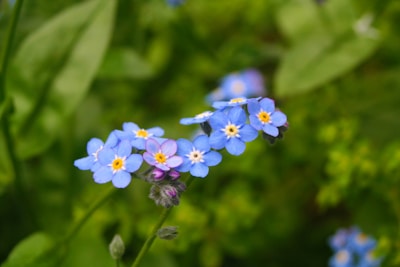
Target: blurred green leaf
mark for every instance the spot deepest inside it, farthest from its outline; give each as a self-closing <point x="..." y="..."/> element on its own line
<point x="327" y="41"/>
<point x="32" y="252"/>
<point x="53" y="69"/>
<point x="124" y="63"/>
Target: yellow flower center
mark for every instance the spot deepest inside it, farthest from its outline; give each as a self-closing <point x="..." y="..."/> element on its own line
<point x="238" y="87"/>
<point x="342" y="256"/>
<point x="237" y="100"/>
<point x="361" y="238"/>
<point x="160" y="157"/>
<point x="117" y="164"/>
<point x="264" y="117"/>
<point x="231" y="130"/>
<point x="142" y="133"/>
<point x="203" y="115"/>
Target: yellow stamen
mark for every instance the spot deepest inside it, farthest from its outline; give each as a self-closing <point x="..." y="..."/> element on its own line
<point x="160" y="157"/>
<point x="264" y="117"/>
<point x="231" y="130"/>
<point x="117" y="164"/>
<point x="142" y="133"/>
<point x="237" y="100"/>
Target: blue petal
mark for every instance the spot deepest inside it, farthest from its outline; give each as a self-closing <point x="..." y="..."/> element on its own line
<point x="248" y="133"/>
<point x="133" y="162"/>
<point x="235" y="146"/>
<point x="237" y="115"/>
<point x="217" y="140"/>
<point x="124" y="135"/>
<point x="187" y="121"/>
<point x="112" y="140"/>
<point x="93" y="145"/>
<point x="202" y="143"/>
<point x="103" y="175"/>
<point x="121" y="179"/>
<point x="255" y="122"/>
<point x="278" y="118"/>
<point x="106" y="156"/>
<point x="138" y="143"/>
<point x="220" y="104"/>
<point x="267" y="105"/>
<point x="130" y="127"/>
<point x="169" y="147"/>
<point x="212" y="158"/>
<point x="152" y="146"/>
<point x="184" y="146"/>
<point x="149" y="158"/>
<point x="185" y="167"/>
<point x="174" y="161"/>
<point x="156" y="131"/>
<point x="84" y="163"/>
<point x="162" y="166"/>
<point x="199" y="170"/>
<point x="271" y="130"/>
<point x="218" y="120"/>
<point x="253" y="106"/>
<point x="124" y="148"/>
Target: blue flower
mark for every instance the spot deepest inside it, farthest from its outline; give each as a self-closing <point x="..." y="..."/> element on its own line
<point x="370" y="260"/>
<point x="137" y="135"/>
<point x="339" y="240"/>
<point x="231" y="131"/>
<point x="263" y="116"/>
<point x="199" y="118"/>
<point x="234" y="102"/>
<point x="247" y="83"/>
<point x="342" y="258"/>
<point x="197" y="156"/>
<point x="117" y="165"/>
<point x="162" y="156"/>
<point x="175" y="3"/>
<point x="94" y="146"/>
<point x="360" y="242"/>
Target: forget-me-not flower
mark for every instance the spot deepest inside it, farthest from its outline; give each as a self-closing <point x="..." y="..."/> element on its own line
<point x="234" y="102"/>
<point x="342" y="258"/>
<point x="117" y="165"/>
<point x="231" y="131"/>
<point x="199" y="118"/>
<point x="197" y="156"/>
<point x="263" y="116"/>
<point x="93" y="147"/>
<point x="162" y="156"/>
<point x="360" y="242"/>
<point x="137" y="135"/>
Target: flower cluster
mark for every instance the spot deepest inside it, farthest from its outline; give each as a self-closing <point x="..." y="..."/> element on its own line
<point x="245" y="83"/>
<point x="230" y="126"/>
<point x="353" y="248"/>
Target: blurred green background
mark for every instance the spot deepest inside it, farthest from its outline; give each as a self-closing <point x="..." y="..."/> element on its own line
<point x="80" y="69"/>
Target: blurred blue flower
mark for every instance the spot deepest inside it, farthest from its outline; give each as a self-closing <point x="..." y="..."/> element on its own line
<point x="197" y="156"/>
<point x="247" y="83"/>
<point x="263" y="116"/>
<point x="339" y="240"/>
<point x="117" y="165"/>
<point x="162" y="156"/>
<point x="199" y="118"/>
<point x="93" y="147"/>
<point x="231" y="131"/>
<point x="360" y="242"/>
<point x="342" y="258"/>
<point x="175" y="3"/>
<point x="137" y="135"/>
<point x="370" y="260"/>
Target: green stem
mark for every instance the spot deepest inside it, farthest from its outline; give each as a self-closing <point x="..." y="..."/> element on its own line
<point x="88" y="214"/>
<point x="153" y="234"/>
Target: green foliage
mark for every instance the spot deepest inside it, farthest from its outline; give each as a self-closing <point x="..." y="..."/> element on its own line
<point x="79" y="69"/>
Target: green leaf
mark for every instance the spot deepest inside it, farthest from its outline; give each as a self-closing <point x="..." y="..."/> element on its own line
<point x="325" y="43"/>
<point x="124" y="63"/>
<point x="53" y="69"/>
<point x="34" y="251"/>
<point x="319" y="60"/>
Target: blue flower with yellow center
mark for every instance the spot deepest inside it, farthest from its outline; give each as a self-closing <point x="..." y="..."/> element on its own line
<point x="197" y="156"/>
<point x="94" y="146"/>
<point x="162" y="155"/>
<point x="231" y="131"/>
<point x="263" y="116"/>
<point x="137" y="135"/>
<point x="342" y="258"/>
<point x="117" y="165"/>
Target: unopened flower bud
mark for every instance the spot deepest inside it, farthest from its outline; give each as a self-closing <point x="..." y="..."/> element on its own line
<point x="168" y="232"/>
<point x="117" y="247"/>
<point x="158" y="174"/>
<point x="174" y="174"/>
